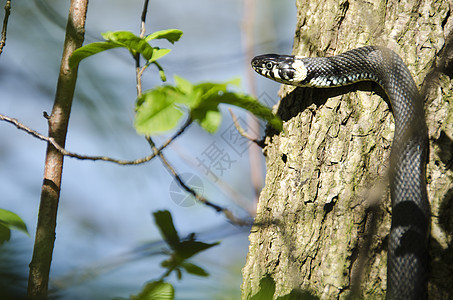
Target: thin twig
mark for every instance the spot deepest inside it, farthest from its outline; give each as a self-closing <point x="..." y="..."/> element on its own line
<point x="21" y="126"/>
<point x="144" y="12"/>
<point x="241" y="130"/>
<point x="65" y="152"/>
<point x="138" y="75"/>
<point x="5" y="25"/>
<point x="228" y="214"/>
<point x="139" y="70"/>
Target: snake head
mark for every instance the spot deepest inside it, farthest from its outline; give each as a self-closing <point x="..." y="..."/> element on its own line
<point x="282" y="68"/>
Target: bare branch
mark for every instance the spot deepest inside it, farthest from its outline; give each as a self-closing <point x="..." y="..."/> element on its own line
<point x="5" y="25"/>
<point x="21" y="126"/>
<point x="228" y="214"/>
<point x="241" y="130"/>
<point x="65" y="152"/>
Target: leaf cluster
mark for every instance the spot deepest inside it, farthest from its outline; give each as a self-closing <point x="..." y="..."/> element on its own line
<point x="135" y="44"/>
<point x="180" y="251"/>
<point x="160" y="109"/>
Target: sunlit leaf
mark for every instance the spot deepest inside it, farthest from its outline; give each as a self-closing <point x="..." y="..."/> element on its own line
<point x="203" y="113"/>
<point x="250" y="104"/>
<point x="211" y="89"/>
<point x="161" y="71"/>
<point x="156" y="290"/>
<point x="234" y="81"/>
<point x="158" y="53"/>
<point x="156" y="112"/>
<point x="88" y="50"/>
<point x="184" y="85"/>
<point x="209" y="120"/>
<point x="12" y="220"/>
<point x="130" y="41"/>
<point x="133" y="43"/>
<point x="171" y="35"/>
<point x="159" y="110"/>
<point x="202" y="100"/>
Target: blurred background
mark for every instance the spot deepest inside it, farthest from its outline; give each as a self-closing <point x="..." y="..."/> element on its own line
<point x="107" y="243"/>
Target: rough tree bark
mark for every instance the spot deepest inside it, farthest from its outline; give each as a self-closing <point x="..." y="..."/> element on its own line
<point x="326" y="188"/>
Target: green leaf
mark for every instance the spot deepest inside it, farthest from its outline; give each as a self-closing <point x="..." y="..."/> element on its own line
<point x="130" y="41"/>
<point x="88" y="50"/>
<point x="211" y="89"/>
<point x="158" y="53"/>
<point x="161" y="71"/>
<point x="156" y="290"/>
<point x="12" y="221"/>
<point x="166" y="227"/>
<point x="156" y="111"/>
<point x="178" y="273"/>
<point x="215" y="95"/>
<point x="5" y="234"/>
<point x="252" y="105"/>
<point x="194" y="269"/>
<point x="171" y="35"/>
<point x="159" y="110"/>
<point x="234" y="81"/>
<point x="184" y="85"/>
<point x="186" y="249"/>
<point x="168" y="263"/>
<point x="205" y="111"/>
<point x="209" y="120"/>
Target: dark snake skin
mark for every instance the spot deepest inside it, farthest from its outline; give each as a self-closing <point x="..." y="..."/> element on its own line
<point x="407" y="268"/>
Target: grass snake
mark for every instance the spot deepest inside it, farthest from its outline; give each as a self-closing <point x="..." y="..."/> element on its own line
<point x="407" y="261"/>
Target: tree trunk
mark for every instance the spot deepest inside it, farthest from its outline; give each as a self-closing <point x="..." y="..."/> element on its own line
<point x="324" y="215"/>
<point x="58" y="121"/>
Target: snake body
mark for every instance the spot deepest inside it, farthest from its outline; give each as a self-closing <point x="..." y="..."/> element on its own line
<point x="408" y="239"/>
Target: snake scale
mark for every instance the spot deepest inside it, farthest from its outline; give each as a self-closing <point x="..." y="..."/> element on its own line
<point x="407" y="263"/>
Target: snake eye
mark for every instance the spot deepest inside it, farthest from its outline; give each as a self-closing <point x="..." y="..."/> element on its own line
<point x="269" y="65"/>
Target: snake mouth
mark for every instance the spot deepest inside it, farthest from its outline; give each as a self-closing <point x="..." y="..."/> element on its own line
<point x="265" y="64"/>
